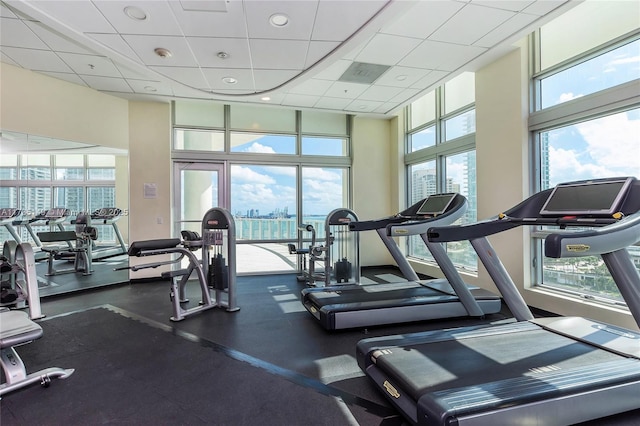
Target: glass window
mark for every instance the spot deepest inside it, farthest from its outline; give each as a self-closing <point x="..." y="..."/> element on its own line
<point x="612" y="21"/>
<point x="71" y="198"/>
<point x="263" y="201"/>
<point x="35" y="167"/>
<point x="8" y="173"/>
<point x="263" y="144"/>
<point x="101" y="160"/>
<point x="199" y="114"/>
<point x="323" y="190"/>
<point x="422" y="183"/>
<point x="315" y="145"/>
<point x="602" y="72"/>
<point x="459" y="92"/>
<point x="422" y="139"/>
<point x="422" y="111"/>
<point x="101" y="174"/>
<point x="252" y="118"/>
<point x="198" y="140"/>
<point x="324" y="123"/>
<point x="460" y="125"/>
<point x="35" y="199"/>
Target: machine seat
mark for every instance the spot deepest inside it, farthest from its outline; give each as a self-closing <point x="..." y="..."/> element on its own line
<point x="16" y="328"/>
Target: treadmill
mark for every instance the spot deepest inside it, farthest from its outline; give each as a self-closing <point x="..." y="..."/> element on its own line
<point x="534" y="371"/>
<point x="362" y="305"/>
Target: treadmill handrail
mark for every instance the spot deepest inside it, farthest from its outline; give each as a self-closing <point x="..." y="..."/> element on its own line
<point x="456" y="210"/>
<point x="616" y="236"/>
<point x="370" y="225"/>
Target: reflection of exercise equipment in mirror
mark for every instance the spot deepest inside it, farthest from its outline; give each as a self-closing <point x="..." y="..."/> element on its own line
<point x="339" y="255"/>
<point x="76" y="249"/>
<point x="213" y="273"/>
<point x="19" y="288"/>
<point x="101" y="220"/>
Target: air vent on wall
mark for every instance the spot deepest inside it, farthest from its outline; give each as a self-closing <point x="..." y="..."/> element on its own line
<point x="361" y="72"/>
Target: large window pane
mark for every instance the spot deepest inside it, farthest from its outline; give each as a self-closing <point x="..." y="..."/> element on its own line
<point x="252" y="118"/>
<point x="9" y="200"/>
<point x="597" y="148"/>
<point x="324" y="146"/>
<point x="201" y="114"/>
<point x="422" y="111"/>
<point x="602" y="72"/>
<point x="71" y="198"/>
<point x="459" y="92"/>
<point x="263" y="200"/>
<point x="98" y="198"/>
<point x="422" y="139"/>
<point x="423" y="182"/>
<point x="324" y="123"/>
<point x="198" y="140"/>
<point x="263" y="144"/>
<point x="460" y="125"/>
<point x="323" y="190"/>
<point x="610" y="19"/>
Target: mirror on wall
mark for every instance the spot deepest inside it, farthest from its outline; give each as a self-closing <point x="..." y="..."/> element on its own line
<point x="69" y="200"/>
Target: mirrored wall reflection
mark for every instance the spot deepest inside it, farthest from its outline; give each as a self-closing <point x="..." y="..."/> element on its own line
<point x="69" y="201"/>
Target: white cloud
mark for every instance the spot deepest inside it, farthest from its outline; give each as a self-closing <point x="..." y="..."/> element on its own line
<point x="565" y="97"/>
<point x="246" y="174"/>
<point x="321" y="174"/>
<point x="259" y="148"/>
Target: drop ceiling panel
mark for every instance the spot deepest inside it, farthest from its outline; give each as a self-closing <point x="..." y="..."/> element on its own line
<point x="268" y="79"/>
<point x="401" y="76"/>
<point x="440" y="56"/>
<point x="318" y="50"/>
<point x="338" y="20"/>
<point x="37" y="60"/>
<point x="379" y="93"/>
<point x="312" y="86"/>
<point x="429" y="80"/>
<point x="302" y="100"/>
<point x="159" y="20"/>
<point x="470" y="24"/>
<point x="340" y="89"/>
<point x="301" y="16"/>
<point x="16" y="33"/>
<point x="90" y="65"/>
<point x="56" y="42"/>
<point x="332" y="103"/>
<point x="71" y="78"/>
<point x="6" y="12"/>
<point x="206" y="50"/>
<point x="507" y="29"/>
<point x="212" y="24"/>
<point x="82" y="16"/>
<point x="333" y="71"/>
<point x="387" y="49"/>
<point x="512" y="5"/>
<point x="150" y="87"/>
<point x="190" y="76"/>
<point x="144" y="47"/>
<point x="115" y="43"/>
<point x="278" y="54"/>
<point x="7" y="60"/>
<point x="423" y="19"/>
<point x="214" y="78"/>
<point x="541" y="8"/>
<point x="363" y="106"/>
<point x="107" y="83"/>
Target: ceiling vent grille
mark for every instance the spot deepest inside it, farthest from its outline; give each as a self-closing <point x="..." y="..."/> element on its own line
<point x="363" y="73"/>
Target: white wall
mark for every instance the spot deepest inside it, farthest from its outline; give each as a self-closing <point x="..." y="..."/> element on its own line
<point x="150" y="165"/>
<point x="372" y="183"/>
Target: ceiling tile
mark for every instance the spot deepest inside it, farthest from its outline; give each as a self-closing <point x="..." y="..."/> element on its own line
<point x="338" y="20"/>
<point x="15" y="33"/>
<point x="159" y="18"/>
<point x="340" y="89"/>
<point x="212" y="24"/>
<point x="387" y="49"/>
<point x="441" y="56"/>
<point x="300" y="100"/>
<point x="332" y="103"/>
<point x="244" y="79"/>
<point x="206" y="50"/>
<point x="71" y="78"/>
<point x="301" y="16"/>
<point x="144" y="46"/>
<point x="90" y="64"/>
<point x="360" y="106"/>
<point x="150" y="87"/>
<point x="278" y="54"/>
<point x="405" y="95"/>
<point x="82" y="16"/>
<point x="115" y="43"/>
<point x="429" y="80"/>
<point x="423" y="19"/>
<point x="333" y="71"/>
<point x="542" y="7"/>
<point x="506" y="30"/>
<point x="512" y="5"/>
<point x="470" y="24"/>
<point x="37" y="60"/>
<point x="107" y="83"/>
<point x="57" y="42"/>
<point x="401" y="76"/>
<point x="6" y="12"/>
<point x="268" y="79"/>
<point x="312" y="86"/>
<point x="193" y="77"/>
<point x="7" y="60"/>
<point x="379" y="93"/>
<point x="319" y="50"/>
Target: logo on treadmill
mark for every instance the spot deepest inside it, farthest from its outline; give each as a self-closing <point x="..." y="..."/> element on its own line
<point x="401" y="231"/>
<point x="578" y="248"/>
<point x="212" y="222"/>
<point x="391" y="390"/>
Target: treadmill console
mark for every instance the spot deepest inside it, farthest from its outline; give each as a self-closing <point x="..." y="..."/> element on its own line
<point x="435" y="205"/>
<point x="592" y="198"/>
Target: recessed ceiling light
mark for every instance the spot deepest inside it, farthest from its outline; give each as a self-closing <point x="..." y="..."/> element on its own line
<point x="150" y="89"/>
<point x="162" y="52"/>
<point x="229" y="80"/>
<point x="401" y="77"/>
<point x="265" y="98"/>
<point x="135" y="13"/>
<point x="279" y="20"/>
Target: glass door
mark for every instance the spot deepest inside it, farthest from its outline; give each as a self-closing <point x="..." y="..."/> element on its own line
<point x="198" y="187"/>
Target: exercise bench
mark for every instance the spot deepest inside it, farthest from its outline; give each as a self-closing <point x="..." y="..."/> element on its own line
<point x="17" y="329"/>
<point x="80" y="251"/>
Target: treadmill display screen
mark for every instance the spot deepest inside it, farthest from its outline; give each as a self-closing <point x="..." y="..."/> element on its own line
<point x="435" y="204"/>
<point x="588" y="198"/>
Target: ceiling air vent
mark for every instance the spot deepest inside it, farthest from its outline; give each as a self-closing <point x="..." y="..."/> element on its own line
<point x="360" y="72"/>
